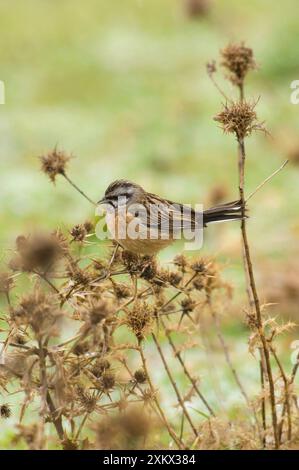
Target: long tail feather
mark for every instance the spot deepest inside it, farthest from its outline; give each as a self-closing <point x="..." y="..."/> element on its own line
<point x="223" y="212"/>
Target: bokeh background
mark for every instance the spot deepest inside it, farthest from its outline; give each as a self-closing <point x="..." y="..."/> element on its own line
<point x="122" y="85"/>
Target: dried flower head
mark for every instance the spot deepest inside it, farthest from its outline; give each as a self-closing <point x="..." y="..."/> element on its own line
<point x="38" y="310"/>
<point x="5" y="411"/>
<point x="107" y="381"/>
<point x="86" y="399"/>
<point x="181" y="262"/>
<point x="37" y="252"/>
<point x="199" y="267"/>
<point x="239" y="119"/>
<point x="198" y="283"/>
<point x="145" y="266"/>
<point x="140" y="376"/>
<point x="100" y="366"/>
<point x="78" y="232"/>
<point x="54" y="163"/>
<point x="238" y="60"/>
<point x="188" y="305"/>
<point x="211" y="68"/>
<point x="140" y="319"/>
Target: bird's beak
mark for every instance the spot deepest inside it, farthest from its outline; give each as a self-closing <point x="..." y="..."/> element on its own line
<point x="102" y="201"/>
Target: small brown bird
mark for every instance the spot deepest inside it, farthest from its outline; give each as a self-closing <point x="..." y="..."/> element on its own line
<point x="145" y="223"/>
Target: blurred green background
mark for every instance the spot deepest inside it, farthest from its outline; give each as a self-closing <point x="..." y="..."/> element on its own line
<point x="122" y="85"/>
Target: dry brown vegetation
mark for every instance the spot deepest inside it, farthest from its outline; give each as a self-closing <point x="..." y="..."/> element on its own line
<point x="87" y="385"/>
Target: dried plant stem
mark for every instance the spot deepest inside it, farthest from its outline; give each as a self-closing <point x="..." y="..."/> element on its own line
<point x="290" y="382"/>
<point x="77" y="188"/>
<point x="263" y="401"/>
<point x="83" y="421"/>
<point x="287" y="406"/>
<point x="56" y="418"/>
<point x="242" y="157"/>
<point x="171" y="432"/>
<point x="174" y="385"/>
<point x="44" y="277"/>
<point x="186" y="371"/>
<point x="178" y="293"/>
<point x="295" y="369"/>
<point x="45" y="394"/>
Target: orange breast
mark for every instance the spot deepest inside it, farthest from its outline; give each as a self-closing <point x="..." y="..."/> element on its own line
<point x="129" y="232"/>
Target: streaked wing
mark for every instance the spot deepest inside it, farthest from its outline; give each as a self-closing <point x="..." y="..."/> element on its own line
<point x="169" y="217"/>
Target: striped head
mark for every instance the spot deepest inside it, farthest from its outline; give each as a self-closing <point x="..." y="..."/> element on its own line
<point x="123" y="191"/>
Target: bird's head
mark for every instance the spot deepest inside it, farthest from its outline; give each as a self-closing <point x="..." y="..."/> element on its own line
<point x="123" y="191"/>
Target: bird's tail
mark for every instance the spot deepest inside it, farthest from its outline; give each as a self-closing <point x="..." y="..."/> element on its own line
<point x="223" y="212"/>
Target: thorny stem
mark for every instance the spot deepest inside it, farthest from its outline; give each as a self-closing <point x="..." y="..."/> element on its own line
<point x="290" y="382"/>
<point x="46" y="397"/>
<point x="174" y="385"/>
<point x="42" y="276"/>
<point x="186" y="371"/>
<point x="55" y="417"/>
<point x="287" y="398"/>
<point x="171" y="432"/>
<point x="263" y="402"/>
<point x="78" y="189"/>
<point x="247" y="258"/>
<point x="242" y="157"/>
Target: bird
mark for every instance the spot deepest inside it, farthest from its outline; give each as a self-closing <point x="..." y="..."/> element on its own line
<point x="144" y="223"/>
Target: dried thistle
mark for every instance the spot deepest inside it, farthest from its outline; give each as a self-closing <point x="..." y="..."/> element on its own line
<point x="188" y="305"/>
<point x="140" y="376"/>
<point x="199" y="267"/>
<point x="86" y="399"/>
<point x="54" y="163"/>
<point x="5" y="411"/>
<point x="37" y="252"/>
<point x="238" y="60"/>
<point x="100" y="367"/>
<point x="181" y="262"/>
<point x="39" y="311"/>
<point x="145" y="266"/>
<point x="78" y="232"/>
<point x="211" y="67"/>
<point x="107" y="381"/>
<point x="140" y="319"/>
<point x="239" y="118"/>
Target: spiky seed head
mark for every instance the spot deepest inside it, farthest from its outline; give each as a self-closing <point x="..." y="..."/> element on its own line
<point x="54" y="163"/>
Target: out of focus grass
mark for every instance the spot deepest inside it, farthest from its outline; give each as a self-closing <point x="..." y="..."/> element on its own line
<point x="122" y="85"/>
